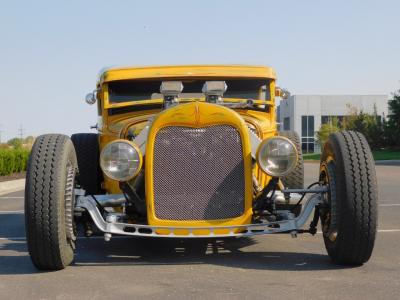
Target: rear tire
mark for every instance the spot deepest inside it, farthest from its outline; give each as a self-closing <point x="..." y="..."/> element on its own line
<point x="349" y="219"/>
<point x="87" y="152"/>
<point x="49" y="202"/>
<point x="295" y="179"/>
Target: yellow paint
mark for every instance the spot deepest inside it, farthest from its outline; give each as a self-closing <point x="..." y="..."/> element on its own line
<point x="190" y="71"/>
<point x="192" y="112"/>
<point x="197" y="115"/>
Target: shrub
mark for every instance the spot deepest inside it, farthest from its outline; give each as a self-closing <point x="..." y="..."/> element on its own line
<point x="325" y="130"/>
<point x="16" y="143"/>
<point x="13" y="160"/>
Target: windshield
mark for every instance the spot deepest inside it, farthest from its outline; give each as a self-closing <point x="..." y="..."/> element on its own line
<point x="134" y="90"/>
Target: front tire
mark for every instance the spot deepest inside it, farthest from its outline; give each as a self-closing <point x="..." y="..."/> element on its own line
<point x="349" y="214"/>
<point x="49" y="202"/>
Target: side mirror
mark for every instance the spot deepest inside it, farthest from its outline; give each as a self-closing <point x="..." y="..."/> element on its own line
<point x="91" y="98"/>
<point x="283" y="93"/>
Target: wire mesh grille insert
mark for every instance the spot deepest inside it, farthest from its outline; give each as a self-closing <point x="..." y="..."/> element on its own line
<point x="198" y="173"/>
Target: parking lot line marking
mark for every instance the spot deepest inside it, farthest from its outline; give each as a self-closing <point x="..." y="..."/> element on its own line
<point x="12" y="197"/>
<point x="11" y="212"/>
<point x="390" y="204"/>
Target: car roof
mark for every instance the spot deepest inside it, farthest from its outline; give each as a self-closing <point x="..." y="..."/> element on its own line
<point x="190" y="71"/>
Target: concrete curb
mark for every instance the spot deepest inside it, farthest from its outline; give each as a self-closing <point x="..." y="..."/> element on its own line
<point x="11" y="186"/>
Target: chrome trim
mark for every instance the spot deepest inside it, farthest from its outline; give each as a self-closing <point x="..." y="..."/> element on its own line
<point x="111" y="200"/>
<point x="279" y="198"/>
<point x="141" y="139"/>
<point x="91" y="98"/>
<point x="255" y="141"/>
<point x="214" y="90"/>
<point x="317" y="189"/>
<point x="293" y="196"/>
<point x="291" y="224"/>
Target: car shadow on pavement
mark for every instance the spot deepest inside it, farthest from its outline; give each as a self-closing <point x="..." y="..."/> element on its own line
<point x="148" y="251"/>
<point x="227" y="252"/>
<point x="14" y="258"/>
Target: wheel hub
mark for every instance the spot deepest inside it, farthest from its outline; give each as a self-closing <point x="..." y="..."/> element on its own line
<point x="69" y="205"/>
<point x="328" y="220"/>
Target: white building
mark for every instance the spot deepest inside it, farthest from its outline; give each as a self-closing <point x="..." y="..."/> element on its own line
<point x="305" y="113"/>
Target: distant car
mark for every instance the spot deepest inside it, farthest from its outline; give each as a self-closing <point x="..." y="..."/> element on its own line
<point x="194" y="152"/>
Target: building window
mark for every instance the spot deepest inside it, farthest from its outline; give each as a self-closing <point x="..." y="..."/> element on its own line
<point x="286" y="123"/>
<point x="307" y="134"/>
<point x="325" y="119"/>
<point x="331" y="119"/>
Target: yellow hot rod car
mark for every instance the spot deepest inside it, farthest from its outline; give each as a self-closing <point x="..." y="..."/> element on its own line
<point x="194" y="152"/>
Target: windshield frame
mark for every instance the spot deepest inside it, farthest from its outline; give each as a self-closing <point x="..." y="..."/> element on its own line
<point x="271" y="82"/>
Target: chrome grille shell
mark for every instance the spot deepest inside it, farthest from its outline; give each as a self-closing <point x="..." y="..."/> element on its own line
<point x="198" y="173"/>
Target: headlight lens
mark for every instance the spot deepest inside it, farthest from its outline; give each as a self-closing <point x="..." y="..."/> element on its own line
<point x="121" y="160"/>
<point x="277" y="156"/>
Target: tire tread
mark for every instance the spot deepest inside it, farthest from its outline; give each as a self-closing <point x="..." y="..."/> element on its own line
<point x="46" y="244"/>
<point x="358" y="209"/>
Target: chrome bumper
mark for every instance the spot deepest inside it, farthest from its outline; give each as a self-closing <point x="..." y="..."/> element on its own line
<point x="110" y="225"/>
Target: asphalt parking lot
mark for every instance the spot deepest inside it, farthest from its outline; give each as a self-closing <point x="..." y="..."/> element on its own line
<point x="270" y="267"/>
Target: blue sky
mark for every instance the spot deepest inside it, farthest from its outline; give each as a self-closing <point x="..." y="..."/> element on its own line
<point x="51" y="51"/>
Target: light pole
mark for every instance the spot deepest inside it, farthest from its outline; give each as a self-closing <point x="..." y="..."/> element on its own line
<point x="21" y="133"/>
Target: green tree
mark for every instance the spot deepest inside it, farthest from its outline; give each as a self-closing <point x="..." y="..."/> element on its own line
<point x="392" y="126"/>
<point x="326" y="129"/>
<point x="370" y="125"/>
<point x="16" y="143"/>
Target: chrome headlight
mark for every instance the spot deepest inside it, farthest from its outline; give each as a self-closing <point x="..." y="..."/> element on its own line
<point x="121" y="160"/>
<point x="277" y="156"/>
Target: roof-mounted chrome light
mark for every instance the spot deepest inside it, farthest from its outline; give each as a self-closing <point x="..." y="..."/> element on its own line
<point x="170" y="91"/>
<point x="214" y="90"/>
